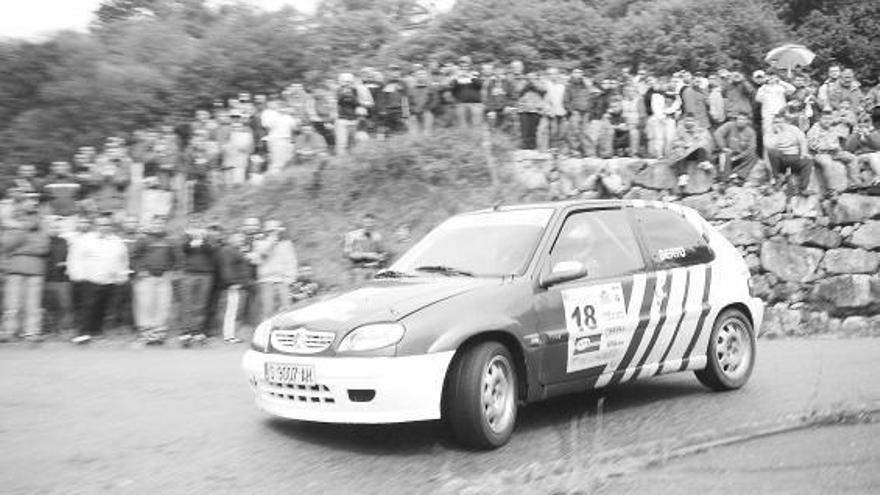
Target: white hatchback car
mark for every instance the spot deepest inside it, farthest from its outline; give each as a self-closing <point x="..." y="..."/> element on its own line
<point x="512" y="305"/>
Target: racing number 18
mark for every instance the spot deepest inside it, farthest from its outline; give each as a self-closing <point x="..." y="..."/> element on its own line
<point x="584" y="316"/>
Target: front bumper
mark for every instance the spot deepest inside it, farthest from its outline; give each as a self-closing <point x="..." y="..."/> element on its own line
<point x="406" y="388"/>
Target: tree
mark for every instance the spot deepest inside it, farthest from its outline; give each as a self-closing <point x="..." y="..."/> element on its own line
<point x="539" y="33"/>
<point x="847" y="35"/>
<point x="696" y="35"/>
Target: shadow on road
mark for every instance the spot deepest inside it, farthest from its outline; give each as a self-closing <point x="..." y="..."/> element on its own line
<point x="539" y="418"/>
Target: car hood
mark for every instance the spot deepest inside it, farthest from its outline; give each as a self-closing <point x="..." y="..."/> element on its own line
<point x="377" y="301"/>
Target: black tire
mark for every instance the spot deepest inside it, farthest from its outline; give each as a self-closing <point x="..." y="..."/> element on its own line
<point x="464" y="410"/>
<point x="732" y="336"/>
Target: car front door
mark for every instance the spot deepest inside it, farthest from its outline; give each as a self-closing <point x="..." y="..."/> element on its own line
<point x="585" y="325"/>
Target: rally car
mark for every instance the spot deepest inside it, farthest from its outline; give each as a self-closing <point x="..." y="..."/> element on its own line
<point x="501" y="307"/>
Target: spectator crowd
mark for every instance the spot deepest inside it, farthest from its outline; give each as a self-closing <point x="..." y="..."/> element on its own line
<point x="89" y="241"/>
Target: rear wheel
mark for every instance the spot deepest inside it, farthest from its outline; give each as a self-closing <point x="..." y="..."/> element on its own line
<point x="731" y="353"/>
<point x="481" y="396"/>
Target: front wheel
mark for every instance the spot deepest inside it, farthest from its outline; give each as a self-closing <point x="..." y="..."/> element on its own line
<point x="481" y="396"/>
<point x="731" y="353"/>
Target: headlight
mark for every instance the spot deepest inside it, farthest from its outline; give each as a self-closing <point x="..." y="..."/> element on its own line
<point x="260" y="342"/>
<point x="372" y="336"/>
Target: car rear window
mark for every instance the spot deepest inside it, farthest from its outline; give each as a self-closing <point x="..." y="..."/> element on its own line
<point x="671" y="240"/>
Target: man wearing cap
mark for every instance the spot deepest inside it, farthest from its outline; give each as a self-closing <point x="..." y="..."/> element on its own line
<point x="276" y="268"/>
<point x="466" y="88"/>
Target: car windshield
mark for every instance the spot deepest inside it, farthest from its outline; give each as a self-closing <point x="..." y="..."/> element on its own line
<point x="487" y="244"/>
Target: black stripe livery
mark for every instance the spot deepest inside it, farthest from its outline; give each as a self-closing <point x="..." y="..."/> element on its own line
<point x="663" y="305"/>
<point x="702" y="321"/>
<point x="644" y="318"/>
<point x="687" y="286"/>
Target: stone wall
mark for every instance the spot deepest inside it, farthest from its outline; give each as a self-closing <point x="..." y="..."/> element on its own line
<point x="813" y="262"/>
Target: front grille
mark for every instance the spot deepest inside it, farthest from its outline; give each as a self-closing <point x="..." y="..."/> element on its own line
<point x="319" y="394"/>
<point x="301" y="340"/>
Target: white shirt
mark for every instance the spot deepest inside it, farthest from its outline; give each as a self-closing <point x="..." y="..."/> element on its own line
<point x="97" y="259"/>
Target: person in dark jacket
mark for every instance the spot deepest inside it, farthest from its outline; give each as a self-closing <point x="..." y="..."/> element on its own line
<point x="424" y="102"/>
<point x="466" y="88"/>
<point x="200" y="262"/>
<point x="155" y="256"/>
<point x="577" y="100"/>
<point x="236" y="276"/>
<point x="531" y="107"/>
<point x="23" y="249"/>
<point x="392" y="103"/>
<point x="59" y="295"/>
<point x="497" y="92"/>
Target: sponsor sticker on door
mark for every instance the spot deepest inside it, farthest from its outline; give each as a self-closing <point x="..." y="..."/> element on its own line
<point x="595" y="317"/>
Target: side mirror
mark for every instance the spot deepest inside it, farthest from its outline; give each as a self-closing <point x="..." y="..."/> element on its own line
<point x="564" y="271"/>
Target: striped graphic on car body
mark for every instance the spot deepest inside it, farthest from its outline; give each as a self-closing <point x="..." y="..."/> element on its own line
<point x="658" y="318"/>
<point x="638" y="334"/>
<point x="684" y="307"/>
<point x="676" y="295"/>
<point x="701" y="322"/>
<point x="634" y="314"/>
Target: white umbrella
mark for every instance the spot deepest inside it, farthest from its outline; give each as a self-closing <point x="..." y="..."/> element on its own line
<point x="790" y="56"/>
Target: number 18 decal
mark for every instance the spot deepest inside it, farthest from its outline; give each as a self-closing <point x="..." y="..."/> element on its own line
<point x="595" y="320"/>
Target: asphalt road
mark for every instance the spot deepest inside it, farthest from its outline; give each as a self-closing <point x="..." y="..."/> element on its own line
<point x="111" y="419"/>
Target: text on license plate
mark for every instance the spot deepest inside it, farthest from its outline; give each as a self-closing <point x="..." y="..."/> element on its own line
<point x="290" y="374"/>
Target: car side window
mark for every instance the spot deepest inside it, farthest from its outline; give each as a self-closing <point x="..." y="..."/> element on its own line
<point x="602" y="240"/>
<point x="671" y="240"/>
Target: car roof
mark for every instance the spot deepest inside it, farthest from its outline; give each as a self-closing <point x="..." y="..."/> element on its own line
<point x="576" y="203"/>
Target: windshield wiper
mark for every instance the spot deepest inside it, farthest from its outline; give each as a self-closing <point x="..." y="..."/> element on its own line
<point x="445" y="270"/>
<point x="392" y="274"/>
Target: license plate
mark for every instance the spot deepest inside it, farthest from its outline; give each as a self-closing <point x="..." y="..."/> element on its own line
<point x="290" y="374"/>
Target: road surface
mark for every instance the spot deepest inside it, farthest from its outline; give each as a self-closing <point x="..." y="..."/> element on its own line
<point x="108" y="418"/>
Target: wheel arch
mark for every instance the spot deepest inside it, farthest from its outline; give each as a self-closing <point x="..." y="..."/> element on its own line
<point x="509" y="341"/>
<point x="742" y="307"/>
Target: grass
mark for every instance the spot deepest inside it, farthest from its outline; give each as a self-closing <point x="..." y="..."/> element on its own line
<point x="409" y="183"/>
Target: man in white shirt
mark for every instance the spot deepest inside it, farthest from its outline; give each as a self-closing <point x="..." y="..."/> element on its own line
<point x="772" y="96"/>
<point x="98" y="262"/>
<point x="280" y="125"/>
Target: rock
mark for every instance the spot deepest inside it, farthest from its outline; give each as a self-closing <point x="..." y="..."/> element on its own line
<point x="743" y="232"/>
<point x="820" y="237"/>
<point x="867" y="236"/>
<point x="753" y="262"/>
<point x="854" y="208"/>
<point x="844" y="260"/>
<point x="780" y="320"/>
<point x="806" y="206"/>
<point x="843" y="293"/>
<point x="699" y="181"/>
<point x="530" y="155"/>
<point x="657" y="175"/>
<point x="642" y="193"/>
<point x="737" y="203"/>
<point x="857" y="326"/>
<point x="768" y="206"/>
<point x="789" y="261"/>
<point x="762" y="286"/>
<point x="705" y="204"/>
<point x="792" y="226"/>
<point x="819" y="323"/>
<point x="834" y="173"/>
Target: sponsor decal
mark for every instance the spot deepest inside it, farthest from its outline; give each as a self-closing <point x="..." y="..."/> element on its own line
<point x="596" y="320"/>
<point x="671" y="253"/>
